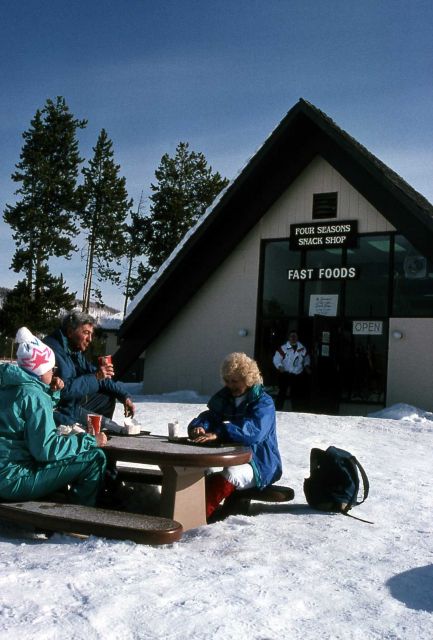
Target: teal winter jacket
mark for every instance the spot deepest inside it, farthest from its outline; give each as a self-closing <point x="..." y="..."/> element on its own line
<point x="28" y="432"/>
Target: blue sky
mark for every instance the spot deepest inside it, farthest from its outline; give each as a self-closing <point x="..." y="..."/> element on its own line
<point x="219" y="75"/>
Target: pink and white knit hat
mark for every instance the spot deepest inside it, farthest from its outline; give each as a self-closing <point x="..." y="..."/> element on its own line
<point x="32" y="354"/>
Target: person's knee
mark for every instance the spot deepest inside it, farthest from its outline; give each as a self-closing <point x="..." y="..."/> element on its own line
<point x="107" y="405"/>
<point x="100" y="459"/>
<point x="241" y="477"/>
<point x="96" y="461"/>
<point x="111" y="406"/>
<point x="101" y="403"/>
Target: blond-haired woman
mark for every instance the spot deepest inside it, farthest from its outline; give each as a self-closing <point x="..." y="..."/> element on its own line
<point x="240" y="412"/>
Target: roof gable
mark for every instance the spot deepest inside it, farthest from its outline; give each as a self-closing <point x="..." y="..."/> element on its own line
<point x="304" y="133"/>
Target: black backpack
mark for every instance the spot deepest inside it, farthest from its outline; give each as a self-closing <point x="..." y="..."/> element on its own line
<point x="334" y="483"/>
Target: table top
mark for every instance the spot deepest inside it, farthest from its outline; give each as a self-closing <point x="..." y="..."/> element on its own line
<point x="158" y="450"/>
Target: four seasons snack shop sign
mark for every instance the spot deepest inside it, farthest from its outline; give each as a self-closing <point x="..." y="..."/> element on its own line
<point x="323" y="236"/>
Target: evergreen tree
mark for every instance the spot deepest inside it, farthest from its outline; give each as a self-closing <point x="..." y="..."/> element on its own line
<point x="135" y="248"/>
<point x="185" y="188"/>
<point x="41" y="312"/>
<point x="104" y="208"/>
<point x="43" y="219"/>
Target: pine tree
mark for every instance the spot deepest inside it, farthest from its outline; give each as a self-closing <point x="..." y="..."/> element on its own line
<point x="104" y="208"/>
<point x="185" y="188"/>
<point x="135" y="248"/>
<point x="41" y="313"/>
<point x="43" y="218"/>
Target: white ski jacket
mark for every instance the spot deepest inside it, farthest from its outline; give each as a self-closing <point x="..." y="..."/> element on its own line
<point x="291" y="360"/>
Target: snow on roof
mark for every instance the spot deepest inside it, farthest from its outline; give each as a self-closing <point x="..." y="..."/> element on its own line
<point x="149" y="284"/>
<point x="110" y="322"/>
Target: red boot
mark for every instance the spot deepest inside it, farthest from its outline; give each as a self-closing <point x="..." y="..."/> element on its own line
<point x="217" y="488"/>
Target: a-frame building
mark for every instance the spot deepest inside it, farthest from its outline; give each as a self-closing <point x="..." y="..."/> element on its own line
<point x="315" y="233"/>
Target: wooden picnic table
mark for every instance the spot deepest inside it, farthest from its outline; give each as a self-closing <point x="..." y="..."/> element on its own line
<point x="183" y="467"/>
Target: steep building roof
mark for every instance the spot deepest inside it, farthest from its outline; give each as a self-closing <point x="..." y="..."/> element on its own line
<point x="304" y="133"/>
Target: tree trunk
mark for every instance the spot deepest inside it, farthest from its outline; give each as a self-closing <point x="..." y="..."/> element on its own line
<point x="128" y="280"/>
<point x="88" y="276"/>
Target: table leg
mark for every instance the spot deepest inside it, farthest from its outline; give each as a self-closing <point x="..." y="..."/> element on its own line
<point x="183" y="496"/>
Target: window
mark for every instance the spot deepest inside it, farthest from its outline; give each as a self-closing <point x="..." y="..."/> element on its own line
<point x="280" y="296"/>
<point x="413" y="281"/>
<point x="322" y="258"/>
<point x="324" y="205"/>
<point x="363" y="360"/>
<point x="368" y="295"/>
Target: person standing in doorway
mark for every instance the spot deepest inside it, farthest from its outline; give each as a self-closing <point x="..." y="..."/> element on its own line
<point x="294" y="366"/>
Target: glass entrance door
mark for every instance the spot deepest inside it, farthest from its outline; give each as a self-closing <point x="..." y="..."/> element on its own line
<point x="348" y="347"/>
<point x="325" y="383"/>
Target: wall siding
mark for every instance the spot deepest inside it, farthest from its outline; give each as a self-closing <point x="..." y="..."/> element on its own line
<point x="410" y="362"/>
<point x="296" y="204"/>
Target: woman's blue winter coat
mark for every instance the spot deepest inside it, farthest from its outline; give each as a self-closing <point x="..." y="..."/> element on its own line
<point x="252" y="423"/>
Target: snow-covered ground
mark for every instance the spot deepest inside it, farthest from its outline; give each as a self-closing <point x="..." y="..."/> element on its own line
<point x="284" y="572"/>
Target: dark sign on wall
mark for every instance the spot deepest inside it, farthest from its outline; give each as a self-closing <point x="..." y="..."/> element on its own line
<point x="319" y="235"/>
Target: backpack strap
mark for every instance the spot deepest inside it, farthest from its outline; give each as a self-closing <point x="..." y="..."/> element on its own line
<point x="345" y="508"/>
<point x="365" y="489"/>
<point x="350" y="515"/>
<point x="365" y="483"/>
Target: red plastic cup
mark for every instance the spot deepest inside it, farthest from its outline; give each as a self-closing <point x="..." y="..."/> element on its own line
<point x="94" y="424"/>
<point x="104" y="360"/>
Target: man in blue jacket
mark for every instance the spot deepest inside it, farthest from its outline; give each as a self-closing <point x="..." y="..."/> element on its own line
<point x="87" y="389"/>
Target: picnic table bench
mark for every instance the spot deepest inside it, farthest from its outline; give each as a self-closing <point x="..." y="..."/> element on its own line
<point x="146" y="475"/>
<point x="78" y="519"/>
<point x="239" y="501"/>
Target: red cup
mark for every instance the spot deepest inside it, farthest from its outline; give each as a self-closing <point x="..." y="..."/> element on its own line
<point x="94" y="424"/>
<point x="104" y="360"/>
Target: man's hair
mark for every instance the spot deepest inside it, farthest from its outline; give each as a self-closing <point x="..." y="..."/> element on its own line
<point x="75" y="319"/>
<point x="239" y="364"/>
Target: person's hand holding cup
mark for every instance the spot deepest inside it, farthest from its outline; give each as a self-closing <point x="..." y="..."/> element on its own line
<point x="94" y="423"/>
<point x="101" y="439"/>
<point x="106" y="369"/>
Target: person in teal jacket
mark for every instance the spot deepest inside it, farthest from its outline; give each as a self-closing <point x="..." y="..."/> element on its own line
<point x="244" y="413"/>
<point x="34" y="460"/>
